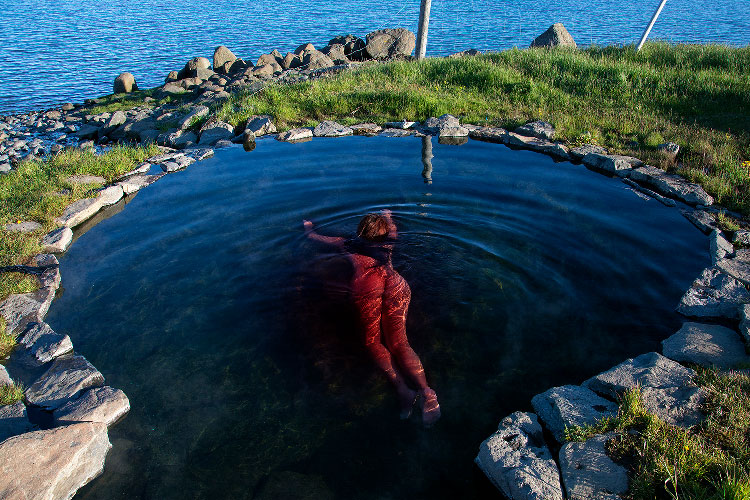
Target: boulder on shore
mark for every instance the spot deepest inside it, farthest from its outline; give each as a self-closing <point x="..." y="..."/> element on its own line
<point x="222" y="56"/>
<point x="555" y="36"/>
<point x="354" y="47"/>
<point x="195" y="67"/>
<point x="390" y="43"/>
<point x="124" y="84"/>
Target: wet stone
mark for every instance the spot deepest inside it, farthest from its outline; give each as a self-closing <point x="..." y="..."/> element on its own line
<point x="100" y="404"/>
<point x="588" y="472"/>
<point x="708" y="345"/>
<point x="518" y="462"/>
<point x="64" y="380"/>
<point x="570" y="406"/>
<point x="396" y="132"/>
<point x="714" y="294"/>
<point x="44" y="343"/>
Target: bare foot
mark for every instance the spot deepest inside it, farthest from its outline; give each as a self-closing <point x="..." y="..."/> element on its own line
<point x="406" y="399"/>
<point x="430" y="407"/>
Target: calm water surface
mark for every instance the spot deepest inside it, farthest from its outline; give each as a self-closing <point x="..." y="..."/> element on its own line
<point x="68" y="50"/>
<point x="230" y="333"/>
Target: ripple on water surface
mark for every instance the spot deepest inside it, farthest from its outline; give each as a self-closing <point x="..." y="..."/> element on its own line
<point x="230" y="333"/>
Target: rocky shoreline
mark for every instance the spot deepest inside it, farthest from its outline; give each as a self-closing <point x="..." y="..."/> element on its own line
<point x="56" y="441"/>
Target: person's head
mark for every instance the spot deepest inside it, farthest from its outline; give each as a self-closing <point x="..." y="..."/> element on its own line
<point x="373" y="227"/>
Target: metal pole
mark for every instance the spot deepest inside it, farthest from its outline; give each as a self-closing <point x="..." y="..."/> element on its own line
<point x="650" y="25"/>
<point x="424" y="23"/>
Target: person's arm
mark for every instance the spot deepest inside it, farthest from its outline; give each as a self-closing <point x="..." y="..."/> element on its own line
<point x="392" y="231"/>
<point x="336" y="241"/>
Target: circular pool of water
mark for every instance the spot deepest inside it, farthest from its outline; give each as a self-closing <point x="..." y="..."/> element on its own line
<point x="231" y="335"/>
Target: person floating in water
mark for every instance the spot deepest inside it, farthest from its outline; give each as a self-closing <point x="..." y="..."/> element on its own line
<point x="381" y="296"/>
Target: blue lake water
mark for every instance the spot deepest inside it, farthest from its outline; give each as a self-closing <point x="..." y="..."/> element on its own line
<point x="228" y="330"/>
<point x="68" y="50"/>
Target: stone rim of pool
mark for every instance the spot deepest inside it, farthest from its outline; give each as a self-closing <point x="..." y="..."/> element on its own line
<point x="729" y="268"/>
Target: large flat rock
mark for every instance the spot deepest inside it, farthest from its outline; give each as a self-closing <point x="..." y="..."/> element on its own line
<point x="295" y="135"/>
<point x="21" y="309"/>
<point x="58" y="241"/>
<point x="65" y="379"/>
<point x="137" y="182"/>
<point x="44" y="343"/>
<point x="673" y="186"/>
<point x="518" y="462"/>
<point x="100" y="404"/>
<point x="667" y="387"/>
<point x="79" y="211"/>
<point x="489" y="134"/>
<point x="708" y="345"/>
<point x="14" y="421"/>
<point x="714" y="294"/>
<point x="588" y="472"/>
<point x="738" y="267"/>
<point x="570" y="406"/>
<point x="539" y="145"/>
<point x="52" y="464"/>
<point x="613" y="164"/>
<point x="331" y="129"/>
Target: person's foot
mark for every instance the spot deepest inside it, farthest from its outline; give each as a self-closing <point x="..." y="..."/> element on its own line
<point x="406" y="399"/>
<point x="430" y="407"/>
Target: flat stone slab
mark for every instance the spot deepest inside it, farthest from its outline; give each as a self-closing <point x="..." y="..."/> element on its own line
<point x="708" y="345"/>
<point x="738" y="267"/>
<point x="518" y="462"/>
<point x="397" y="132"/>
<point x="539" y="128"/>
<point x="403" y="124"/>
<point x="110" y="195"/>
<point x="495" y="135"/>
<point x="714" y="294"/>
<point x="538" y="145"/>
<point x="613" y="164"/>
<point x="331" y="129"/>
<point x="172" y="162"/>
<point x="138" y="182"/>
<point x="57" y="241"/>
<point x="700" y="219"/>
<point x="368" y="129"/>
<point x="673" y="186"/>
<point x="669" y="202"/>
<point x="570" y="406"/>
<point x="196" y="113"/>
<point x="101" y="404"/>
<point x="44" y="343"/>
<point x="721" y="248"/>
<point x="295" y="135"/>
<point x="745" y="323"/>
<point x="52" y="464"/>
<point x="64" y="380"/>
<point x="588" y="472"/>
<point x="14" y="421"/>
<point x="4" y="377"/>
<point x="22" y="227"/>
<point x="21" y="309"/>
<point x="86" y="179"/>
<point x="199" y="154"/>
<point x="260" y="125"/>
<point x="667" y="387"/>
<point x="585" y="149"/>
<point x="79" y="211"/>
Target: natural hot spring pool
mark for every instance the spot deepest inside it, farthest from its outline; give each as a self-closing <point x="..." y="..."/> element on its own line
<point x="204" y="302"/>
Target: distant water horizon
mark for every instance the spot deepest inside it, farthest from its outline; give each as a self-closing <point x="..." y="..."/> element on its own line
<point x="67" y="51"/>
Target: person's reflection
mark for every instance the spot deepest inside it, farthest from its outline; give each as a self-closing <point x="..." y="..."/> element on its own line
<point x="427" y="159"/>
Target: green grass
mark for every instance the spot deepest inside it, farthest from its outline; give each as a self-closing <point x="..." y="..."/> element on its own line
<point x="710" y="461"/>
<point x="38" y="191"/>
<point x="7" y="341"/>
<point x="10" y="394"/>
<point x="695" y="95"/>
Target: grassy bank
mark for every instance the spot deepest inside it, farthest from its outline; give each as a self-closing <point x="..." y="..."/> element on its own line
<point x="710" y="461"/>
<point x="695" y="95"/>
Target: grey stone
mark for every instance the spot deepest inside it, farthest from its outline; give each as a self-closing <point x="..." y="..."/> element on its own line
<point x="215" y="131"/>
<point x="669" y="148"/>
<point x="118" y="118"/>
<point x="58" y="240"/>
<point x="464" y="53"/>
<point x="110" y="195"/>
<point x="171" y="88"/>
<point x="555" y="36"/>
<point x="54" y="463"/>
<point x="222" y="56"/>
<point x="720" y="248"/>
<point x="268" y="59"/>
<point x="336" y="53"/>
<point x="193" y="67"/>
<point x="137" y="182"/>
<point x="667" y="387"/>
<point x="317" y="60"/>
<point x="86" y="179"/>
<point x="87" y="131"/>
<point x="745" y="323"/>
<point x="706" y="345"/>
<point x="295" y="134"/>
<point x="199" y="154"/>
<point x="4" y="377"/>
<point x="331" y="129"/>
<point x="185" y="139"/>
<point x="673" y="186"/>
<point x="22" y="227"/>
<point x="446" y="126"/>
<point x="21" y="309"/>
<point x="367" y="129"/>
<point x="65" y="379"/>
<point x="714" y="294"/>
<point x="701" y="219"/>
<point x="536" y="144"/>
<point x="267" y="70"/>
<point x="489" y="134"/>
<point x="101" y="404"/>
<point x="651" y="194"/>
<point x="291" y="61"/>
<point x="390" y="43"/>
<point x="354" y="47"/>
<point x="539" y="128"/>
<point x="195" y="113"/>
<point x="124" y="83"/>
<point x="79" y="211"/>
<point x="741" y="238"/>
<point x="737" y="266"/>
<point x="403" y="124"/>
<point x="14" y="420"/>
<point x="615" y="164"/>
<point x="44" y="343"/>
<point x="397" y="132"/>
<point x="518" y="462"/>
<point x="570" y="406"/>
<point x="453" y="135"/>
<point x="588" y="472"/>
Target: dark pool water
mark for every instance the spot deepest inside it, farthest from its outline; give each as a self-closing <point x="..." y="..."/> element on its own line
<point x="228" y="330"/>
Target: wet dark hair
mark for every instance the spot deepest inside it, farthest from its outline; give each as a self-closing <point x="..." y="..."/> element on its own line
<point x="373" y="227"/>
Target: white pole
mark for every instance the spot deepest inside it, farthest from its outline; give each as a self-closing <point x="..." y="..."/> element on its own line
<point x="650" y="25"/>
<point x="424" y="23"/>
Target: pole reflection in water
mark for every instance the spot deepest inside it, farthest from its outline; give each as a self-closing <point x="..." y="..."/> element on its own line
<point x="427" y="159"/>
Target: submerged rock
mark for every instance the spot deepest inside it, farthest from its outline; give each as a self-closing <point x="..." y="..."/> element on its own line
<point x="714" y="294"/>
<point x="570" y="406"/>
<point x="518" y="462"/>
<point x="54" y="463"/>
<point x="588" y="472"/>
<point x="708" y="345"/>
<point x="555" y="36"/>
